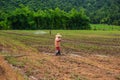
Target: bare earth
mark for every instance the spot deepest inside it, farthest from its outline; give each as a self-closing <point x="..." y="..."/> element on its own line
<point x="65" y="67"/>
<point x="29" y="58"/>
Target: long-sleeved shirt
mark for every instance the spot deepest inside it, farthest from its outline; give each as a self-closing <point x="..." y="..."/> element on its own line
<point x="57" y="42"/>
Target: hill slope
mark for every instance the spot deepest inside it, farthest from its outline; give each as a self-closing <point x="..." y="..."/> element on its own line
<point x="100" y="11"/>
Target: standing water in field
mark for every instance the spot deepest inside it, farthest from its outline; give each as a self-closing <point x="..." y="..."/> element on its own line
<point x="40" y="32"/>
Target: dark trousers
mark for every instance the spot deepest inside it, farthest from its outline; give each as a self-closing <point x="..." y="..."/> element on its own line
<point x="58" y="52"/>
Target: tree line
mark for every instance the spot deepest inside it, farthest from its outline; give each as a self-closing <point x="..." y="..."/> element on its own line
<point x="26" y="18"/>
<point x="99" y="11"/>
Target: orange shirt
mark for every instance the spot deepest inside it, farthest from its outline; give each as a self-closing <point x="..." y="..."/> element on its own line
<point x="57" y="42"/>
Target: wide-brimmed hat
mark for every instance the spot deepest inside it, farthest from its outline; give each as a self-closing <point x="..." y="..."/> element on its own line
<point x="58" y="35"/>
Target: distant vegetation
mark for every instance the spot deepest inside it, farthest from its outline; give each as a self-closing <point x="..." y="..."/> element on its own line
<point x="58" y="14"/>
<point x="24" y="18"/>
<point x="104" y="27"/>
<point x="99" y="11"/>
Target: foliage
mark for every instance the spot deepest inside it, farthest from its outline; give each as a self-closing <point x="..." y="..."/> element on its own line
<point x="104" y="27"/>
<point x="25" y="18"/>
<point x="99" y="11"/>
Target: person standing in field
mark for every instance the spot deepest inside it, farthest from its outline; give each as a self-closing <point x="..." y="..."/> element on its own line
<point x="57" y="43"/>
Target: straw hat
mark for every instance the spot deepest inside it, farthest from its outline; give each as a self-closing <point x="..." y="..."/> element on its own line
<point x="58" y="35"/>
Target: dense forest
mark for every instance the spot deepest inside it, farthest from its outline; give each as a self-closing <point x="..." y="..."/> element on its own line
<point x="66" y="11"/>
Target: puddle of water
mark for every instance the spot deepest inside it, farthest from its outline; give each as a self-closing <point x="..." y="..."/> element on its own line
<point x="40" y="32"/>
<point x="76" y="55"/>
<point x="33" y="78"/>
<point x="101" y="55"/>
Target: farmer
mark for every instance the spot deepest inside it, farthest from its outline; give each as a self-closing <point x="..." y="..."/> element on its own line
<point x="57" y="44"/>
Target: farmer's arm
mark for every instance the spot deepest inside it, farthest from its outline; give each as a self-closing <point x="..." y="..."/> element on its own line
<point x="58" y="39"/>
